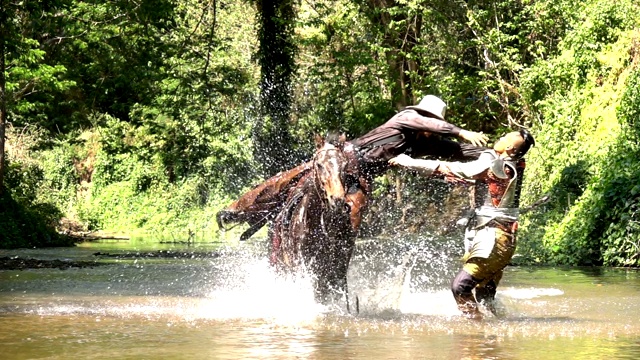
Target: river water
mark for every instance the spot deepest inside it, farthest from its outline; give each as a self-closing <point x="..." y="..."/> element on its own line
<point x="232" y="306"/>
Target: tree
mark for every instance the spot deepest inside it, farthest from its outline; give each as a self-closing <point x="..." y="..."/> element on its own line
<point x="3" y="101"/>
<point x="4" y="32"/>
<point x="24" y="71"/>
<point x="401" y="26"/>
<point x="276" y="57"/>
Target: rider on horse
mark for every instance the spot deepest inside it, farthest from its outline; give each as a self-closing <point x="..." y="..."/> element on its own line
<point x="417" y="131"/>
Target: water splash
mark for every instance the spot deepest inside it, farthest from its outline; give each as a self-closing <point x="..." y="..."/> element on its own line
<point x="393" y="280"/>
<point x="265" y="294"/>
<point x="438" y="303"/>
<point x="402" y="287"/>
<point x="234" y="288"/>
<point x="530" y="293"/>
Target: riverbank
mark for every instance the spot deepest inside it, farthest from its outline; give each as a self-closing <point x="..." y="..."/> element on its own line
<point x="17" y="263"/>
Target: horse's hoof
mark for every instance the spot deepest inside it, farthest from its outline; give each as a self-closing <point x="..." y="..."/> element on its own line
<point x="222" y="217"/>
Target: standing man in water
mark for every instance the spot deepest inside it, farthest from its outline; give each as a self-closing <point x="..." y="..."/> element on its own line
<point x="490" y="236"/>
<point x="418" y="130"/>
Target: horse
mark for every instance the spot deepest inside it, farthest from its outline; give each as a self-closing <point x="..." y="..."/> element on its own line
<point x="315" y="229"/>
<point x="262" y="203"/>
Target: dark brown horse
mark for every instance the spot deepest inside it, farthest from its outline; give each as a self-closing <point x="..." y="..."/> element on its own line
<point x="314" y="228"/>
<point x="262" y="203"/>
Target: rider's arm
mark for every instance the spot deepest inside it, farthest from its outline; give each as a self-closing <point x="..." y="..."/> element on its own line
<point x="425" y="167"/>
<point x="414" y="121"/>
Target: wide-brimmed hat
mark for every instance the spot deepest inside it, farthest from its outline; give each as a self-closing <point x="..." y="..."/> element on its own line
<point x="432" y="105"/>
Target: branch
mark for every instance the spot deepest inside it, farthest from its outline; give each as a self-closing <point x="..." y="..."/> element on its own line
<point x="543" y="200"/>
<point x="26" y="90"/>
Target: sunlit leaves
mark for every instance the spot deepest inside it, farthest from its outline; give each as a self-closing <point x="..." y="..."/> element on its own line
<point x="586" y="148"/>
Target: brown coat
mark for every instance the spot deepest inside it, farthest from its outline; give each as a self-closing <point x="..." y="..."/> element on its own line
<point x="409" y="132"/>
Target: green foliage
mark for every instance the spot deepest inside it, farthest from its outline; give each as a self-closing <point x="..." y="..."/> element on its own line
<point x="58" y="185"/>
<point x="171" y="114"/>
<point x="161" y="210"/>
<point x="27" y="77"/>
<point x="151" y="115"/>
<point x="582" y="159"/>
<point x="342" y="87"/>
<point x="114" y="51"/>
<point x="276" y="57"/>
<point x="618" y="212"/>
<point x="24" y="222"/>
<point x="23" y="180"/>
<point x="26" y="218"/>
<point x="629" y="110"/>
<point x="32" y="82"/>
<point x="619" y="205"/>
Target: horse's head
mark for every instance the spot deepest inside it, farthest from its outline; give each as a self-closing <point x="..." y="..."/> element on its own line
<point x="329" y="165"/>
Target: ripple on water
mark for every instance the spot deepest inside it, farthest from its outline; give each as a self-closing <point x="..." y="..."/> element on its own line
<point x="196" y="307"/>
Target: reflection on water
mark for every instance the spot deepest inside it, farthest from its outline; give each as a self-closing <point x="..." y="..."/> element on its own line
<point x="234" y="306"/>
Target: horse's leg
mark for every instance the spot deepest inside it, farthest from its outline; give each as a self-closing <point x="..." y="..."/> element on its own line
<point x="357" y="200"/>
<point x="321" y="289"/>
<point x="331" y="248"/>
<point x="351" y="245"/>
<point x="330" y="267"/>
<point x="275" y="239"/>
<point x="253" y="229"/>
<point x="345" y="258"/>
<point x="263" y="202"/>
<point x="327" y="289"/>
<point x="319" y="261"/>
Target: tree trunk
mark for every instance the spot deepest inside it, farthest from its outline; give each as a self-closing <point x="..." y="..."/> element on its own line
<point x="272" y="137"/>
<point x="3" y="106"/>
<point x="399" y="43"/>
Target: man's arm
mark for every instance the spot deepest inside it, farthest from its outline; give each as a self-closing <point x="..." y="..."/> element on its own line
<point x="458" y="170"/>
<point x="413" y="120"/>
<point x="465" y="170"/>
<point x="425" y="167"/>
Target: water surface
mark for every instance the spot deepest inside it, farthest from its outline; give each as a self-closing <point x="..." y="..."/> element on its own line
<point x="233" y="306"/>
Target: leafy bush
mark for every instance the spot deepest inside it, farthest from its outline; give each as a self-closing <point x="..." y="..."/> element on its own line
<point x="26" y="218"/>
<point x="619" y="208"/>
<point x="582" y="158"/>
<point x="25" y="223"/>
<point x="60" y="177"/>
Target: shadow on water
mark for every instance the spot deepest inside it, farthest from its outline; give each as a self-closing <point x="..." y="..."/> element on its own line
<point x="232" y="306"/>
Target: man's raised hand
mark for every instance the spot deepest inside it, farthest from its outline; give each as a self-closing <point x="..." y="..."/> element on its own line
<point x="475" y="138"/>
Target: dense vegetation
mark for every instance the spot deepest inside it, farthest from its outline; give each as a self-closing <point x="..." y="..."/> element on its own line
<point x="152" y="115"/>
